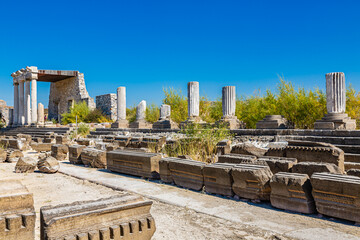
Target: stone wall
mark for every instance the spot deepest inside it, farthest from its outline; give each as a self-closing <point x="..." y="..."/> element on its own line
<point x="107" y="104"/>
<point x="5" y="111"/>
<point x="63" y="94"/>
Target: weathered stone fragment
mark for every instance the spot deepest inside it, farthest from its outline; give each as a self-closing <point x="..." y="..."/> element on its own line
<point x="85" y="142"/>
<point x="236" y="158"/>
<point x="13" y="155"/>
<point x="49" y="140"/>
<point x="17" y="214"/>
<point x="123" y="141"/>
<point x="41" y="147"/>
<point x="3" y="155"/>
<point x="48" y="165"/>
<point x="120" y="217"/>
<point x="93" y="157"/>
<point x="164" y="171"/>
<point x="276" y="152"/>
<point x="249" y="149"/>
<point x="310" y="168"/>
<point x="75" y="154"/>
<point x="252" y="181"/>
<point x="278" y="164"/>
<point x="218" y="179"/>
<point x="223" y="147"/>
<point x="305" y="151"/>
<point x="337" y="195"/>
<point x="292" y="191"/>
<point x="272" y="122"/>
<point x="134" y="163"/>
<point x="187" y="173"/>
<point x="59" y="151"/>
<point x="155" y="142"/>
<point x="25" y="165"/>
<point x="61" y="139"/>
<point x="353" y="172"/>
<point x="135" y="142"/>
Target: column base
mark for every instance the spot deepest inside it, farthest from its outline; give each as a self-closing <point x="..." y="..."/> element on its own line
<point x="192" y="120"/>
<point x="336" y="121"/>
<point x="272" y="122"/>
<point x="120" y="124"/>
<point x="141" y="124"/>
<point x="231" y="122"/>
<point x="165" y="124"/>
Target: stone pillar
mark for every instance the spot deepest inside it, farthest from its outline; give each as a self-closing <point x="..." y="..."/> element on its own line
<point x="164" y="121"/>
<point x="140" y="117"/>
<point x="27" y="103"/>
<point x="141" y="111"/>
<point x="335" y="92"/>
<point x="336" y="118"/>
<point x="193" y="99"/>
<point x="34" y="116"/>
<point x="21" y="116"/>
<point x="228" y="108"/>
<point x="228" y="101"/>
<point x="121" y="121"/>
<point x="16" y="104"/>
<point x="40" y="114"/>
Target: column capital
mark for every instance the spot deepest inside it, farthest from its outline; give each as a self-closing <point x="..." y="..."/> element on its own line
<point x="31" y="73"/>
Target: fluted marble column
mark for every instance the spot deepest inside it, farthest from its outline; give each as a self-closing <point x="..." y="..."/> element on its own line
<point x="335" y="92"/>
<point x="16" y="104"/>
<point x="34" y="115"/>
<point x="193" y="99"/>
<point x="121" y="104"/>
<point x="141" y="110"/>
<point x="228" y="101"/>
<point x="27" y="103"/>
<point x="21" y="116"/>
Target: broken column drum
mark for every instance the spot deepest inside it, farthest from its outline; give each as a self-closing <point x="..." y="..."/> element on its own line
<point x="164" y="121"/>
<point x="141" y="110"/>
<point x="165" y="111"/>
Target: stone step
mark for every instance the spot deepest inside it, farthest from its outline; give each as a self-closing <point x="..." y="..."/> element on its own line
<point x="351" y="165"/>
<point x="352" y="157"/>
<point x="326" y="139"/>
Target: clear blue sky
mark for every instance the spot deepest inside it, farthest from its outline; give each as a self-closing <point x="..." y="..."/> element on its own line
<point x="149" y="45"/>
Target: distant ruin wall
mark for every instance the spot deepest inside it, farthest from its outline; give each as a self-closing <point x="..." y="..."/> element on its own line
<point x="107" y="104"/>
<point x="6" y="112"/>
<point x="63" y="94"/>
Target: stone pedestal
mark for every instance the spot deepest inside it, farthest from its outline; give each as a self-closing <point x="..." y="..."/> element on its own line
<point x="336" y="105"/>
<point x="272" y="122"/>
<point x="140" y="117"/>
<point x="164" y="121"/>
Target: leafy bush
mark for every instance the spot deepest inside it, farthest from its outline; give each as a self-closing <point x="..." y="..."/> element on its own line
<point x="83" y="130"/>
<point x="178" y="103"/>
<point x="353" y="104"/>
<point x="84" y="114"/>
<point x="152" y="113"/>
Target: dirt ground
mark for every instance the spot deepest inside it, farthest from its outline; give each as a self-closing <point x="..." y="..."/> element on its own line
<point x="172" y="222"/>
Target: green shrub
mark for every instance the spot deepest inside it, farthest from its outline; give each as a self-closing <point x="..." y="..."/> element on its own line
<point x="131" y="114"/>
<point x="84" y="114"/>
<point x="83" y="130"/>
<point x="353" y="104"/>
<point x="96" y="116"/>
<point x="178" y="103"/>
<point x="152" y="113"/>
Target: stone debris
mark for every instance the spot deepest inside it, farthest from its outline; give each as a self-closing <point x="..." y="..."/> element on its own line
<point x="249" y="148"/>
<point x="223" y="147"/>
<point x="61" y="139"/>
<point x="135" y="142"/>
<point x="3" y="155"/>
<point x="26" y="165"/>
<point x="292" y="191"/>
<point x="59" y="151"/>
<point x="93" y="157"/>
<point x="187" y="173"/>
<point x="13" y="155"/>
<point x="41" y="147"/>
<point x="252" y="181"/>
<point x="236" y="158"/>
<point x="75" y="154"/>
<point x="353" y="172"/>
<point x="278" y="164"/>
<point x="122" y="141"/>
<point x="119" y="217"/>
<point x="310" y="168"/>
<point x="218" y="179"/>
<point x="337" y="195"/>
<point x="48" y="165"/>
<point x="272" y="122"/>
<point x="134" y="163"/>
<point x="17" y="215"/>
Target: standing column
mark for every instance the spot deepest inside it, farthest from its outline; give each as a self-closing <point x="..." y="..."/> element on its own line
<point x="27" y="103"/>
<point x="16" y="104"/>
<point x="228" y="101"/>
<point x="141" y="111"/>
<point x="165" y="112"/>
<point x="34" y="115"/>
<point x="335" y="92"/>
<point x="40" y="114"/>
<point x="121" y="103"/>
<point x="193" y="99"/>
<point x="21" y="115"/>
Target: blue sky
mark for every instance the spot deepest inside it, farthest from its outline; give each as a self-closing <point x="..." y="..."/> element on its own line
<point x="149" y="45"/>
